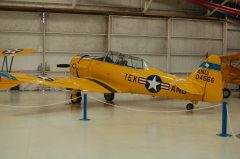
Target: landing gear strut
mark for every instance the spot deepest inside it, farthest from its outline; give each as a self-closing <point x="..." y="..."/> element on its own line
<point x="226" y="93"/>
<point x="189" y="106"/>
<point x="109" y="96"/>
<point x="76" y="96"/>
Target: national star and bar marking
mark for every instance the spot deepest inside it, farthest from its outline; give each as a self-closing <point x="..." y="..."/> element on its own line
<point x="165" y="86"/>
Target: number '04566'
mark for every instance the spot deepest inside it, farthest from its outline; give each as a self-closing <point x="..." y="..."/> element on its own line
<point x="205" y="78"/>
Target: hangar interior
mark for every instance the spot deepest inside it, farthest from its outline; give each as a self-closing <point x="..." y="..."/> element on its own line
<point x="173" y="36"/>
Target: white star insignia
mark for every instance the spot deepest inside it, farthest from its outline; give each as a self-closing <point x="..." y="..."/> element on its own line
<point x="153" y="84"/>
<point x="207" y="65"/>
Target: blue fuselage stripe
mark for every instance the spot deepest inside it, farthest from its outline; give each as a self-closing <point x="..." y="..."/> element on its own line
<point x="211" y="66"/>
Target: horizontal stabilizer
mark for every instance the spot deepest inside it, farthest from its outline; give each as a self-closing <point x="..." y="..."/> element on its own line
<point x="189" y="86"/>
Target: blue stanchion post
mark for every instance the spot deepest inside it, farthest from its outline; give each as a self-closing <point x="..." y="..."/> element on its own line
<point x="224" y="121"/>
<point x="84" y="118"/>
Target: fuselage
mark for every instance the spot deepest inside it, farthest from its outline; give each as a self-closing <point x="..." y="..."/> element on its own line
<point x="146" y="80"/>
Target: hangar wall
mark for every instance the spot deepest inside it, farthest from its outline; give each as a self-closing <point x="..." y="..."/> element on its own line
<point x="175" y="45"/>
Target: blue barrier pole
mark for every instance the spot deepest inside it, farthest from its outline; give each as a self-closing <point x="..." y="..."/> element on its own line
<point x="84" y="108"/>
<point x="224" y="121"/>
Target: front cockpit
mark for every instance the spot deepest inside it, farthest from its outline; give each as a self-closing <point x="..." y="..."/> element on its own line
<point x="124" y="60"/>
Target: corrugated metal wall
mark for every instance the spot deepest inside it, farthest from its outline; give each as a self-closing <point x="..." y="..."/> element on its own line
<point x="174" y="45"/>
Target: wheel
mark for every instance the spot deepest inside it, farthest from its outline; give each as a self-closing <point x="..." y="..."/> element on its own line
<point x="76" y="97"/>
<point x="226" y="92"/>
<point x="109" y="96"/>
<point x="189" y="106"/>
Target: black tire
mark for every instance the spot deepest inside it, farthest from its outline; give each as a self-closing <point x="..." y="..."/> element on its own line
<point x="109" y="96"/>
<point x="189" y="106"/>
<point x="226" y="93"/>
<point x="76" y="98"/>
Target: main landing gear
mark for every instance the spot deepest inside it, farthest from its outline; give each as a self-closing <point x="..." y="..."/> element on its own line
<point x="76" y="96"/>
<point x="189" y="106"/>
<point x="109" y="96"/>
<point x="226" y="93"/>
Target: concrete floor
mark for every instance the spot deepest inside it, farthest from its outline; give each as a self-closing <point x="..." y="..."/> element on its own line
<point x="55" y="132"/>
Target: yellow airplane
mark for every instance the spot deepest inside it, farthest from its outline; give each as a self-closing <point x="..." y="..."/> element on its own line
<point x="120" y="73"/>
<point x="230" y="72"/>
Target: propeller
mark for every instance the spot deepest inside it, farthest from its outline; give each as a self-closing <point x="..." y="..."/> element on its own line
<point x="63" y="65"/>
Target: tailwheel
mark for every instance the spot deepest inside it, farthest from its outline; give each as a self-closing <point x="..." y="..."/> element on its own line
<point x="189" y="106"/>
<point x="109" y="96"/>
<point x="76" y="96"/>
<point x="226" y="93"/>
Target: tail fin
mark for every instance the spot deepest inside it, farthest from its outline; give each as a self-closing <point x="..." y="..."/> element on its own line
<point x="209" y="77"/>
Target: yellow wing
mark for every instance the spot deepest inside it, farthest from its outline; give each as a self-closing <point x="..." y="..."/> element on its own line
<point x="189" y="86"/>
<point x="6" y="83"/>
<point x="91" y="85"/>
<point x="15" y="52"/>
<point x="230" y="57"/>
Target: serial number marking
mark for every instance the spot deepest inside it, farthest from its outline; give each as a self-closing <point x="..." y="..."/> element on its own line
<point x="205" y="78"/>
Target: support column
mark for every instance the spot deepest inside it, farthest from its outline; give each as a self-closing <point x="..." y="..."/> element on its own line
<point x="44" y="22"/>
<point x="225" y="28"/>
<point x="109" y="31"/>
<point x="169" y="34"/>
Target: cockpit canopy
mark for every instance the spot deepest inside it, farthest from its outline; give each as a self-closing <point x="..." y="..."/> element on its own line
<point x="125" y="60"/>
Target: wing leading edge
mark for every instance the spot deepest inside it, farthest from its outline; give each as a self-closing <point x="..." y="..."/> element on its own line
<point x="91" y="85"/>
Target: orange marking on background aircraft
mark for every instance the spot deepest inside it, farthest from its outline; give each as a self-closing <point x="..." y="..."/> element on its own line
<point x="120" y="73"/>
<point x="230" y="72"/>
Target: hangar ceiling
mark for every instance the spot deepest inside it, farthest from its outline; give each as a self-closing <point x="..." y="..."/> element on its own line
<point x="123" y="7"/>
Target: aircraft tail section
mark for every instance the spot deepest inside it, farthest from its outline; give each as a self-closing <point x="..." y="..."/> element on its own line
<point x="209" y="77"/>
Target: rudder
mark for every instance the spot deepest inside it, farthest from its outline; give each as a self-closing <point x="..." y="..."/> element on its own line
<point x="209" y="77"/>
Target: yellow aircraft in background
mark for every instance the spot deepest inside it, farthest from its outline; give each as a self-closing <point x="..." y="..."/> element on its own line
<point x="120" y="73"/>
<point x="230" y="72"/>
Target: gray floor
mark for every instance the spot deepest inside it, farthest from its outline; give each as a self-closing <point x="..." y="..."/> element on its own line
<point x="140" y="128"/>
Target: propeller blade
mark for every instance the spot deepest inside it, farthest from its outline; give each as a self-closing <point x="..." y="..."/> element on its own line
<point x="63" y="65"/>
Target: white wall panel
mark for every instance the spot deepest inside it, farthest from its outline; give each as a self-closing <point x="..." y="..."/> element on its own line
<point x="139" y="45"/>
<point x="76" y="23"/>
<point x="234" y="39"/>
<point x="194" y="28"/>
<point x="24" y="21"/>
<point x="195" y="46"/>
<point x="139" y="26"/>
<point x="75" y="43"/>
<point x="185" y="64"/>
<point x="20" y="40"/>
